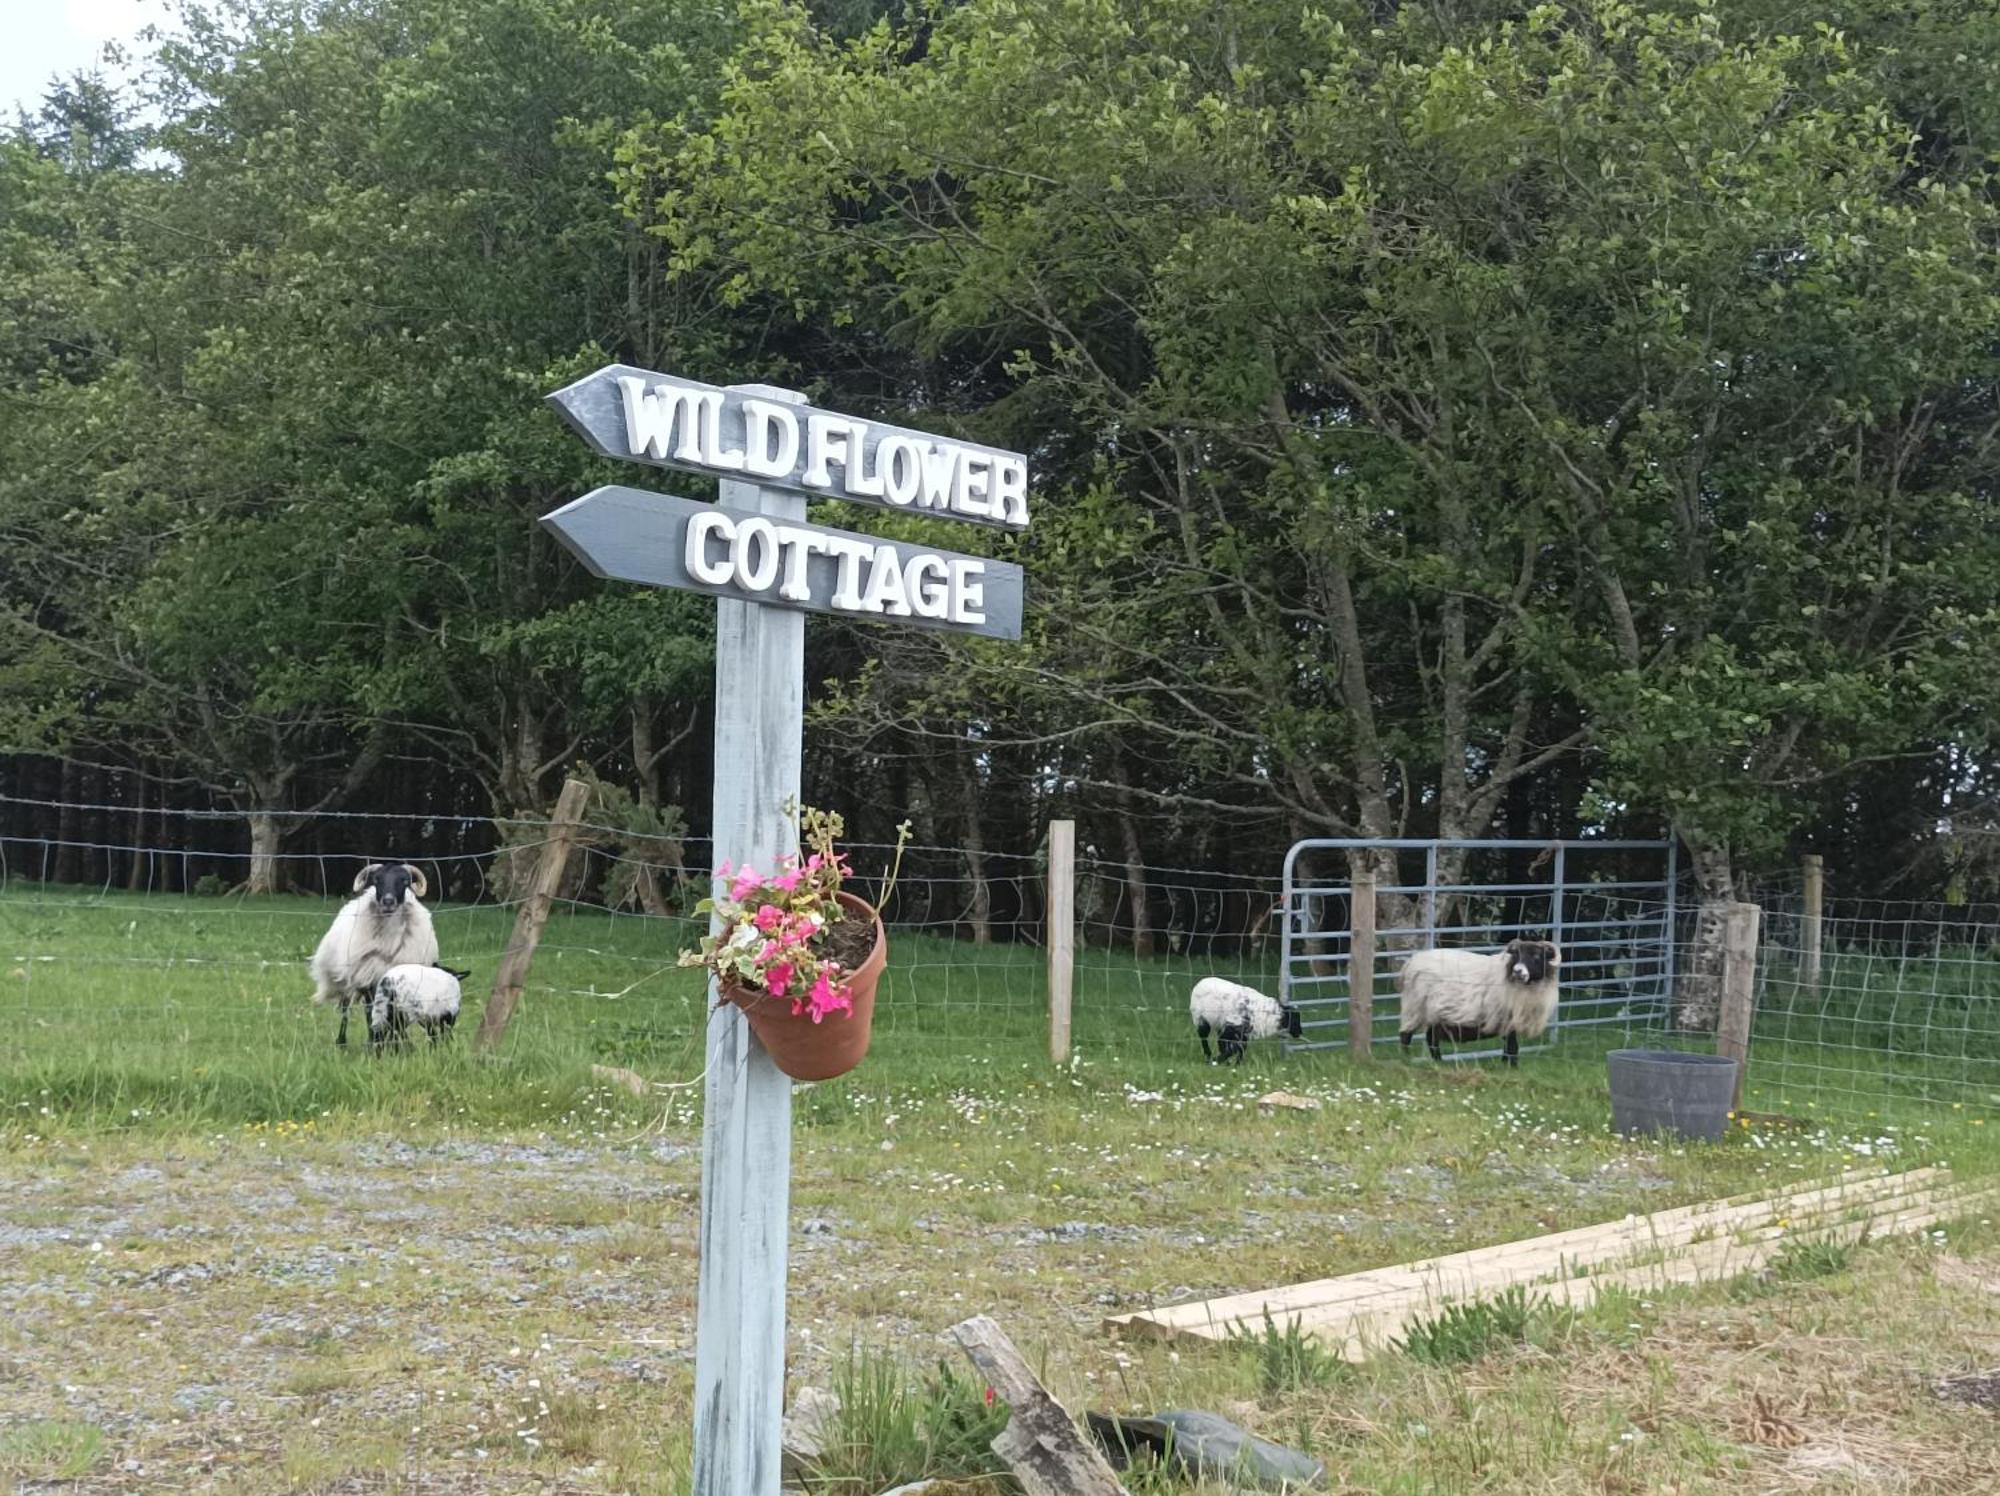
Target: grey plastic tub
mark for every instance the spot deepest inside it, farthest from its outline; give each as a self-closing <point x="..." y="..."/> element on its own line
<point x="1664" y="1090"/>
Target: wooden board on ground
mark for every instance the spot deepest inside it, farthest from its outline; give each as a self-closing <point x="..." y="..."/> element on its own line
<point x="1358" y="1313"/>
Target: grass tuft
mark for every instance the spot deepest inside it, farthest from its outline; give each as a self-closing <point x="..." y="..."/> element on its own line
<point x="1287" y="1360"/>
<point x="896" y="1426"/>
<point x="1461" y="1333"/>
<point x="50" y="1449"/>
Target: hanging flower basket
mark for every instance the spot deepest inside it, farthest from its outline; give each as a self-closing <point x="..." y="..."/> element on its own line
<point x="809" y="1046"/>
<point x="798" y="954"/>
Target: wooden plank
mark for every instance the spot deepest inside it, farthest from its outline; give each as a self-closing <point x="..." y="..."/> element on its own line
<point x="1041" y="1444"/>
<point x="1488" y="1269"/>
<point x="1580" y="1244"/>
<point x="1739" y="991"/>
<point x="1361" y="967"/>
<point x="1357" y="1329"/>
<point x="746" y="1137"/>
<point x="511" y="978"/>
<point x="660" y="539"/>
<point x="1550" y="1253"/>
<point x="1061" y="906"/>
<point x="1814" y="923"/>
<point x="663" y="420"/>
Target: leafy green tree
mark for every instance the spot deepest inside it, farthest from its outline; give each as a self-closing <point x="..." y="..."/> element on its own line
<point x="1405" y="374"/>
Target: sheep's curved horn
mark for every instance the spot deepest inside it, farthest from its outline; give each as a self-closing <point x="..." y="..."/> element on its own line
<point x="417" y="881"/>
<point x="366" y="876"/>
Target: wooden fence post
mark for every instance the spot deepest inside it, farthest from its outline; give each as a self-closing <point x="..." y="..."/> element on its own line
<point x="1361" y="967"/>
<point x="513" y="973"/>
<point x="1061" y="907"/>
<point x="1739" y="990"/>
<point x="1815" y="870"/>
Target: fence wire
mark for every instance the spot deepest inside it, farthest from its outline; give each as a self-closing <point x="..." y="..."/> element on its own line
<point x="155" y="953"/>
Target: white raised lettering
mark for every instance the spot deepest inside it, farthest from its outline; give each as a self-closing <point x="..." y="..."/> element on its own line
<point x="799" y="547"/>
<point x="885" y="592"/>
<point x="709" y="523"/>
<point x="764" y="420"/>
<point x="968" y="591"/>
<point x="899" y="463"/>
<point x="970" y="484"/>
<point x="938" y="463"/>
<point x="850" y="553"/>
<point x="758" y="574"/>
<point x="1010" y="490"/>
<point x="652" y="416"/>
<point x="859" y="479"/>
<point x="924" y="580"/>
<point x="726" y="458"/>
<point x="826" y="440"/>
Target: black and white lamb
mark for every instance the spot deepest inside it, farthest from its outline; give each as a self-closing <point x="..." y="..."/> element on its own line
<point x="385" y="924"/>
<point x="1237" y="1014"/>
<point x="427" y="996"/>
<point x="1464" y="995"/>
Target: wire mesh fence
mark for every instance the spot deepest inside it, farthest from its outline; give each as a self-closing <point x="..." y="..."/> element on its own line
<point x="155" y="959"/>
<point x="1869" y="1005"/>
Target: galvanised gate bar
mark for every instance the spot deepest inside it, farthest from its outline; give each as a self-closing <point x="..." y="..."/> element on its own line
<point x="1610" y="906"/>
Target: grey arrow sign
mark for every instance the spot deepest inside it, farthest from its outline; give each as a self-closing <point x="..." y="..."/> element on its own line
<point x="631" y="535"/>
<point x="666" y="421"/>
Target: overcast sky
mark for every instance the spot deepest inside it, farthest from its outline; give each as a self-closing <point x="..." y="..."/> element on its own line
<point x="48" y="37"/>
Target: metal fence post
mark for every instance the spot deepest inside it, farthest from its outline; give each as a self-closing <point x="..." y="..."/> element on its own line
<point x="1670" y="928"/>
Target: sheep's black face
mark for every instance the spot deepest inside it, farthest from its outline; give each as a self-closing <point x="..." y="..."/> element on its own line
<point x="1292" y="1023"/>
<point x="1530" y="961"/>
<point x="391" y="883"/>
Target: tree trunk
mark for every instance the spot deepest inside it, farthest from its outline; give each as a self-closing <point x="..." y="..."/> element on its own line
<point x="138" y="877"/>
<point x="975" y="855"/>
<point x="266" y="838"/>
<point x="1698" y="1001"/>
<point x="1136" y="892"/>
<point x="65" y="864"/>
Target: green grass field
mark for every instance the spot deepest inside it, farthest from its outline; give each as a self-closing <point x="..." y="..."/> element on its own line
<point x="236" y="1259"/>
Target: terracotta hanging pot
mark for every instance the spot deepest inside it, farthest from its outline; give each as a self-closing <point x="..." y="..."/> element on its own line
<point x="805" y="1050"/>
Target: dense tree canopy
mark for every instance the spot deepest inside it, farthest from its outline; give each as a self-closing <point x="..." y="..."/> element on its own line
<point x="1446" y="418"/>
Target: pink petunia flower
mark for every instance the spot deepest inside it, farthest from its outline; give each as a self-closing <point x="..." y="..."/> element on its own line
<point x="826" y="998"/>
<point x="747" y="883"/>
<point x="768" y="918"/>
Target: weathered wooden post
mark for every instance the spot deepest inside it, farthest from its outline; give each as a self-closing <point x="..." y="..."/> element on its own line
<point x="1361" y="966"/>
<point x="1739" y="990"/>
<point x="1061" y="906"/>
<point x="766" y="566"/>
<point x="1814" y="922"/>
<point x="512" y="975"/>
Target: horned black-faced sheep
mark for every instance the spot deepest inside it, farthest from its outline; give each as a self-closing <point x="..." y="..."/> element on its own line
<point x="1237" y="1014"/>
<point x="427" y="996"/>
<point x="385" y="924"/>
<point x="1464" y="995"/>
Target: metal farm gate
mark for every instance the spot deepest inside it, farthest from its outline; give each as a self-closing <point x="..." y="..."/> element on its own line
<point x="1609" y="905"/>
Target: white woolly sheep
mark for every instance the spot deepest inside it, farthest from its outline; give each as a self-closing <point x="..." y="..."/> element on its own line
<point x="427" y="996"/>
<point x="1238" y="1014"/>
<point x="1463" y="995"/>
<point x="384" y="925"/>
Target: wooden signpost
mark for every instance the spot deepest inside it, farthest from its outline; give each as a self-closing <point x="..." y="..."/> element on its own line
<point x="766" y="568"/>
